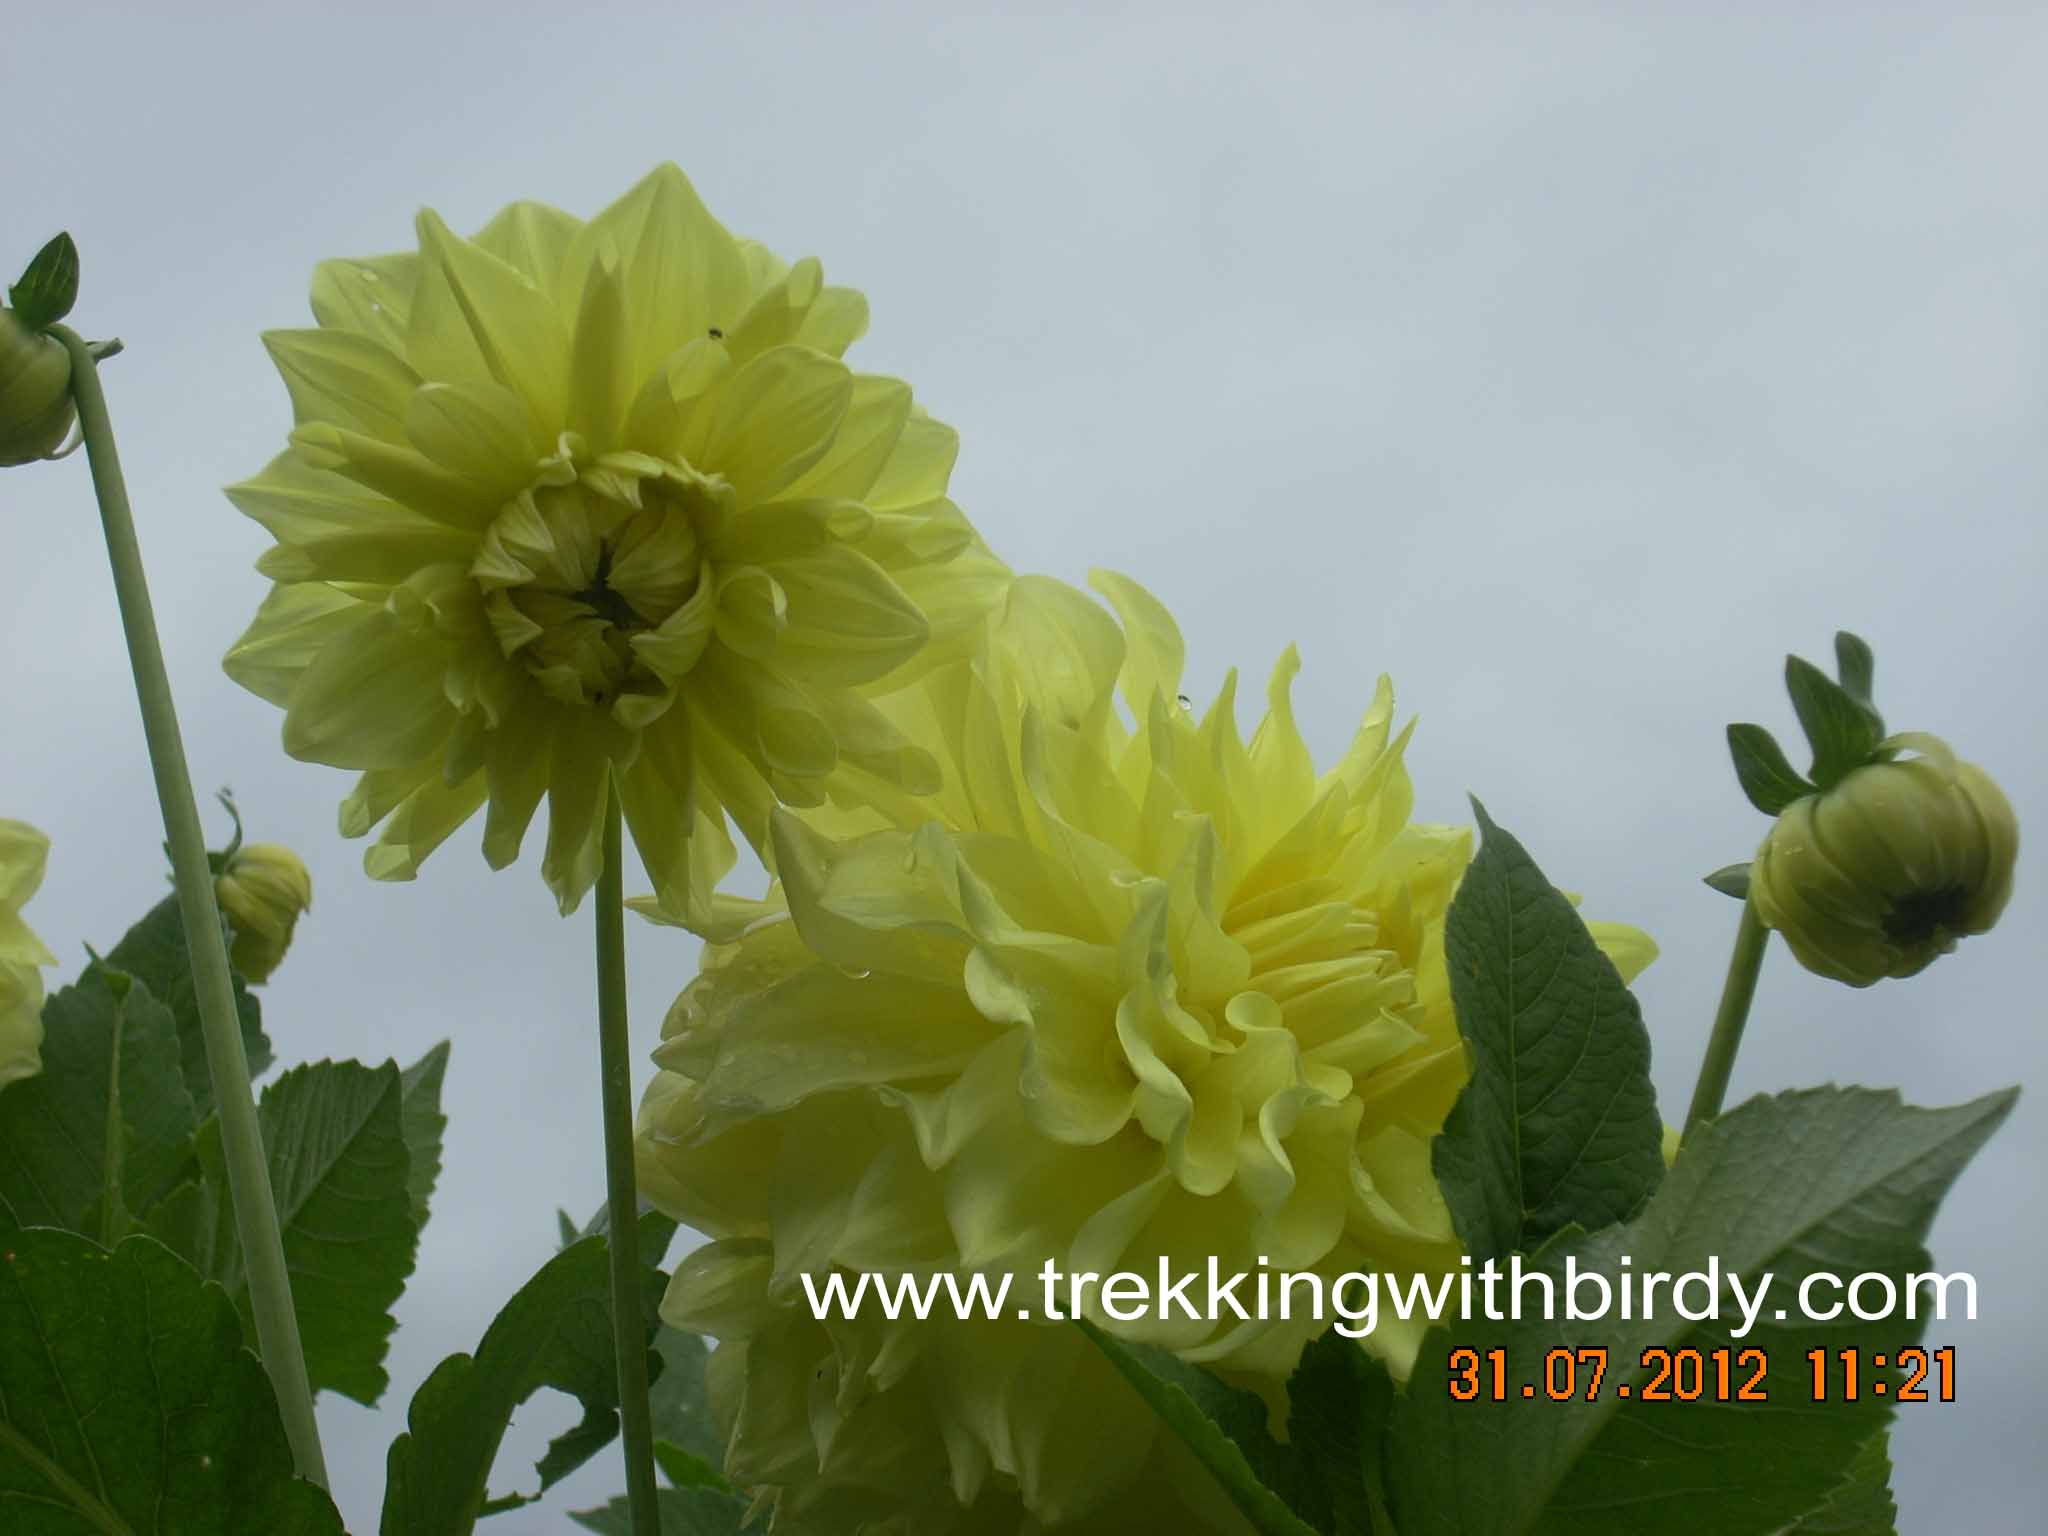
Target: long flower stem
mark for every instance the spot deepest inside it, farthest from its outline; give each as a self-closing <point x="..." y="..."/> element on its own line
<point x="1744" y="965"/>
<point x="622" y="1201"/>
<point x="277" y="1325"/>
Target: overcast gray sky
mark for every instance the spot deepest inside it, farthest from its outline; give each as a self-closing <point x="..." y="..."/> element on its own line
<point x="1570" y="368"/>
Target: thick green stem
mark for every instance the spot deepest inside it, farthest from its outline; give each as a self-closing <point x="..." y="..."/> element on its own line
<point x="622" y="1201"/>
<point x="1744" y="965"/>
<point x="277" y="1325"/>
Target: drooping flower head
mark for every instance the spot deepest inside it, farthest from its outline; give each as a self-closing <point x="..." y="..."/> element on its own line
<point x="23" y="853"/>
<point x="263" y="890"/>
<point x="573" y="500"/>
<point x="1117" y="995"/>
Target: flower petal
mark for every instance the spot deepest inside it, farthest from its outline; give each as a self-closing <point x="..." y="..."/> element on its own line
<point x="846" y="622"/>
<point x="919" y="465"/>
<point x="1154" y="653"/>
<point x="329" y="529"/>
<point x="402" y="473"/>
<point x="532" y="239"/>
<point x="372" y="295"/>
<point x="877" y="410"/>
<point x="664" y="418"/>
<point x="24" y="856"/>
<point x="753" y="611"/>
<point x="518" y="762"/>
<point x="372" y="698"/>
<point x="478" y="432"/>
<point x="774" y="419"/>
<point x="421" y="823"/>
<point x="295" y="623"/>
<point x="601" y="377"/>
<point x="579" y="782"/>
<point x="476" y="320"/>
<point x="684" y="274"/>
<point x="347" y="377"/>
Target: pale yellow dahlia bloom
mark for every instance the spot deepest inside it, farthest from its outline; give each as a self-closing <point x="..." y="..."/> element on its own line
<point x="569" y="500"/>
<point x="1112" y="997"/>
<point x="23" y="853"/>
<point x="864" y="1427"/>
<point x="263" y="890"/>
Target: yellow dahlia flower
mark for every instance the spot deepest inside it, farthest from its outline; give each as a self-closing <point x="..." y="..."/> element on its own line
<point x="23" y="853"/>
<point x="1881" y="874"/>
<point x="263" y="890"/>
<point x="932" y="1428"/>
<point x="569" y="501"/>
<point x="1118" y="998"/>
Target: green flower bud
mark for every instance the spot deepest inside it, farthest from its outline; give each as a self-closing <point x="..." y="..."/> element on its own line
<point x="36" y="412"/>
<point x="263" y="890"/>
<point x="1882" y="874"/>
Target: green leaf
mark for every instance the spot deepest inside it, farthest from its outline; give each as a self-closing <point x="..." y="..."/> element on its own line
<point x="341" y="1176"/>
<point x="1558" y="1124"/>
<point x="424" y="1123"/>
<point x="1730" y="880"/>
<point x="657" y="1231"/>
<point x="1838" y="1180"/>
<point x="680" y="1407"/>
<point x="1862" y="1504"/>
<point x="53" y="1126"/>
<point x="1856" y="667"/>
<point x="194" y="1220"/>
<point x="1842" y="732"/>
<point x="683" y="1511"/>
<point x="153" y="952"/>
<point x="49" y="287"/>
<point x="111" y="1209"/>
<point x="1224" y="1426"/>
<point x="1763" y="771"/>
<point x="1338" y="1402"/>
<point x="686" y="1469"/>
<point x="128" y="1406"/>
<point x="335" y="1134"/>
<point x="1328" y="1478"/>
<point x="556" y="1332"/>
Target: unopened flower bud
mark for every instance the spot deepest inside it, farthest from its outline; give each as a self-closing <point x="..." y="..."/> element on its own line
<point x="263" y="890"/>
<point x="36" y="412"/>
<point x="1881" y="875"/>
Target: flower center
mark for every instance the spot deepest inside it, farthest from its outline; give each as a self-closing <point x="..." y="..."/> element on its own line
<point x="1921" y="916"/>
<point x="595" y="579"/>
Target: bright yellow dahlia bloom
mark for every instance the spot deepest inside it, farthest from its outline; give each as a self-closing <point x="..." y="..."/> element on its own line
<point x="569" y="500"/>
<point x="23" y="853"/>
<point x="263" y="891"/>
<point x="1110" y="997"/>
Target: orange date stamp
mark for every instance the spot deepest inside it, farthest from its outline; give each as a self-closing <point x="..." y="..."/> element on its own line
<point x="1724" y="1375"/>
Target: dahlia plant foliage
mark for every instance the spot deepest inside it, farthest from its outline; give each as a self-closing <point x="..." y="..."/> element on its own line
<point x="1057" y="972"/>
